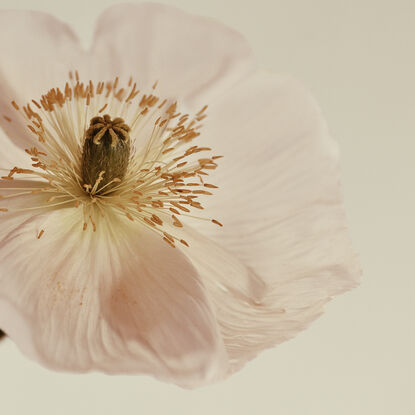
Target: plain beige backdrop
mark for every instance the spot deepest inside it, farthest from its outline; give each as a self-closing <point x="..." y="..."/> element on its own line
<point x="358" y="59"/>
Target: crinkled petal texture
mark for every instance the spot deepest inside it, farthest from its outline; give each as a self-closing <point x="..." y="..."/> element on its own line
<point x="281" y="206"/>
<point x="118" y="300"/>
<point x="37" y="52"/>
<point x="192" y="57"/>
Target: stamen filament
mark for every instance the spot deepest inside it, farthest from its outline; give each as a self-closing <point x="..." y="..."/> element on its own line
<point x="161" y="180"/>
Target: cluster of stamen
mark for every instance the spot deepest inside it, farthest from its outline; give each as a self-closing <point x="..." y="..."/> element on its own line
<point x="164" y="175"/>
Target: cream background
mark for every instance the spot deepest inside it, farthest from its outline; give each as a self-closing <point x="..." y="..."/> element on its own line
<point x="358" y="59"/>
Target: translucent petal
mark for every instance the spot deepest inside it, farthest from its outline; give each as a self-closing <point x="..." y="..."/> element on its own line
<point x="118" y="300"/>
<point x="281" y="206"/>
<point x="193" y="58"/>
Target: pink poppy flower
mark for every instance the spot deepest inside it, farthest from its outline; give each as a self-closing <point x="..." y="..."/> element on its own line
<point x="113" y="254"/>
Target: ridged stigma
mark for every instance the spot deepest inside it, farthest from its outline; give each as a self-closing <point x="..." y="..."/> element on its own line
<point x="105" y="153"/>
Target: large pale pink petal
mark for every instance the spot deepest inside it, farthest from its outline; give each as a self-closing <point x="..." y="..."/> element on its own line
<point x="281" y="206"/>
<point x="37" y="52"/>
<point x="280" y="197"/>
<point x="11" y="155"/>
<point x="192" y="57"/>
<point x="118" y="300"/>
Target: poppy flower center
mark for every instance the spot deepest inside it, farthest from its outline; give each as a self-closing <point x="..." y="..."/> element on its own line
<point x="108" y="151"/>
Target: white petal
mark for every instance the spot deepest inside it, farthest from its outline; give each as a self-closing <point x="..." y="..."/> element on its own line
<point x="280" y="203"/>
<point x="11" y="155"/>
<point x="279" y="198"/>
<point x="190" y="56"/>
<point x="252" y="314"/>
<point x="118" y="300"/>
<point x="37" y="52"/>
